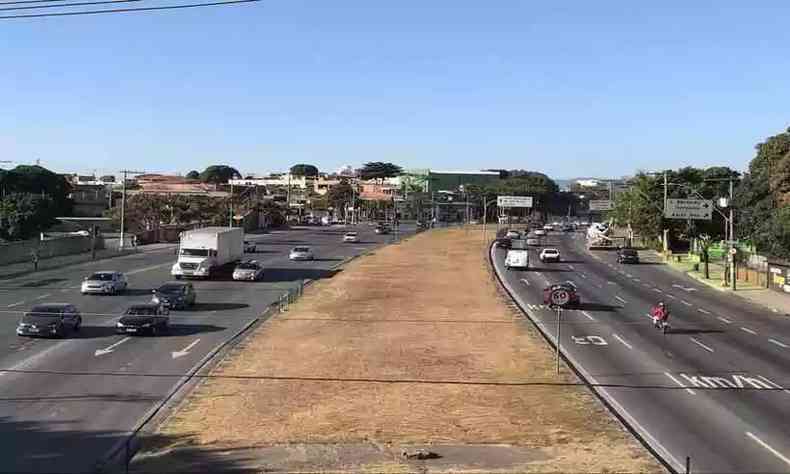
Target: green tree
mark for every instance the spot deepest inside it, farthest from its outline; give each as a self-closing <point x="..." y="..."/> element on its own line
<point x="340" y="194"/>
<point x="304" y="170"/>
<point x="194" y="174"/>
<point x="38" y="180"/>
<point x="219" y="174"/>
<point x="379" y="171"/>
<point x="24" y="215"/>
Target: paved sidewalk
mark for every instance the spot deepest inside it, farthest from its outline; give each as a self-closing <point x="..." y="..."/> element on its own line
<point x="18" y="269"/>
<point x="773" y="300"/>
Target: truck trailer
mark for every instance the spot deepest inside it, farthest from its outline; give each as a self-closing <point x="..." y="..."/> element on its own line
<point x="202" y="251"/>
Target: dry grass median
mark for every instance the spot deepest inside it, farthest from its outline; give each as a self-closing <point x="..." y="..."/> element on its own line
<point x="411" y="346"/>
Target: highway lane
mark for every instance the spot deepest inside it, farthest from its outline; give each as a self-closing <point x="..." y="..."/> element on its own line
<point x="65" y="403"/>
<point x="702" y="391"/>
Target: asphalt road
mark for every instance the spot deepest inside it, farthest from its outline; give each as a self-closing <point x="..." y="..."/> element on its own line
<point x="712" y="389"/>
<point x="64" y="404"/>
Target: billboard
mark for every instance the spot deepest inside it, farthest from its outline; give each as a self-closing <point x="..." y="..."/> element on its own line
<point x="514" y="201"/>
<point x="697" y="209"/>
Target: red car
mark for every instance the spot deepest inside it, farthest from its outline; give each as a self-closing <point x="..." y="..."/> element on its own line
<point x="566" y="294"/>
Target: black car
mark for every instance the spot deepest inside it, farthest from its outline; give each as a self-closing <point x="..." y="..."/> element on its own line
<point x="148" y="318"/>
<point x="50" y="320"/>
<point x="175" y="295"/>
<point x="627" y="256"/>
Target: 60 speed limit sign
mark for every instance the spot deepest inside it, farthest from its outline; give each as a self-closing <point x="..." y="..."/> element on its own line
<point x="560" y="297"/>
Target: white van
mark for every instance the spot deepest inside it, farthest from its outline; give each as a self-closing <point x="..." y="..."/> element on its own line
<point x="518" y="259"/>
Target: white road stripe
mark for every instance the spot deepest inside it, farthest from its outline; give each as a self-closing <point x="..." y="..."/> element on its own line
<point x="768" y="447"/>
<point x="629" y="275"/>
<point x="774" y="384"/>
<point x="588" y="315"/>
<point x="571" y="267"/>
<point x="526" y="282"/>
<point x="670" y="295"/>
<point x="622" y="300"/>
<point x="637" y="279"/>
<point x="679" y="382"/>
<point x="41" y="297"/>
<point x="64" y="290"/>
<point x="657" y="290"/>
<point x="622" y="341"/>
<point x="15" y="304"/>
<point x="152" y="267"/>
<point x="685" y="302"/>
<point x="778" y="343"/>
<point x="749" y="331"/>
<point x="582" y="275"/>
<point x="703" y="310"/>
<point x="709" y="349"/>
<point x="723" y="319"/>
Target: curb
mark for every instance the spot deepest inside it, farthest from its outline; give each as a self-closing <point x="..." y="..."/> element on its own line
<point x="629" y="423"/>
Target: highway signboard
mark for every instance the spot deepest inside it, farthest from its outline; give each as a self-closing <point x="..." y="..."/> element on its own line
<point x="601" y="205"/>
<point x="697" y="209"/>
<point x="514" y="201"/>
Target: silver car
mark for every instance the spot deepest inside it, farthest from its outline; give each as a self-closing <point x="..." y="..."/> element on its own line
<point x="104" y="283"/>
<point x="249" y="270"/>
<point x="301" y="253"/>
<point x="351" y="237"/>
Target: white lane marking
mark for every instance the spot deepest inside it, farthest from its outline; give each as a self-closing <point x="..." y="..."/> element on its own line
<point x="768" y="447"/>
<point x="629" y="275"/>
<point x="778" y="343"/>
<point x="65" y="290"/>
<point x="679" y="382"/>
<point x="185" y="351"/>
<point x="723" y="319"/>
<point x="657" y="290"/>
<point x="685" y="302"/>
<point x="16" y="304"/>
<point x="41" y="297"/>
<point x="582" y="275"/>
<point x="646" y="284"/>
<point x="539" y="274"/>
<point x="571" y="267"/>
<point x="774" y="384"/>
<point x="588" y="315"/>
<point x="526" y="282"/>
<point x="547" y="281"/>
<point x="111" y="347"/>
<point x="753" y="333"/>
<point x="622" y="341"/>
<point x="620" y="299"/>
<point x="610" y="283"/>
<point x="152" y="267"/>
<point x="670" y="295"/>
<point x="637" y="279"/>
<point x="709" y="349"/>
<point x="703" y="310"/>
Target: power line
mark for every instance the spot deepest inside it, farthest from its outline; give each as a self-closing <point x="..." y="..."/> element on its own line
<point x="66" y="5"/>
<point x="129" y="10"/>
<point x="21" y="2"/>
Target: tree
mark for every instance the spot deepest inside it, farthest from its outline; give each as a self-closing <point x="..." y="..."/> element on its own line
<point x="379" y="171"/>
<point x="24" y="215"/>
<point x="38" y="180"/>
<point x="304" y="170"/>
<point x="194" y="174"/>
<point x="340" y="194"/>
<point x="219" y="174"/>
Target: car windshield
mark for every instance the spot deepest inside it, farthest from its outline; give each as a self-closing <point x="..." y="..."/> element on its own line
<point x="247" y="266"/>
<point x="101" y="277"/>
<point x="629" y="252"/>
<point x="195" y="252"/>
<point x="351" y="234"/>
<point x="301" y="249"/>
<point x="551" y="251"/>
<point x="51" y="311"/>
<point x="170" y="289"/>
<point x="142" y="310"/>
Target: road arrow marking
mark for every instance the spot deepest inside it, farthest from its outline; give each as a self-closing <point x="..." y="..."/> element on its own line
<point x="111" y="347"/>
<point x="185" y="351"/>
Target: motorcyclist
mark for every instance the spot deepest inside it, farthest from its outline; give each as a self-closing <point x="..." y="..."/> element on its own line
<point x="660" y="314"/>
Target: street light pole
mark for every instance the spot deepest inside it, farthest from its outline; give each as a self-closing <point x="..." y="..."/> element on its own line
<point x="732" y="241"/>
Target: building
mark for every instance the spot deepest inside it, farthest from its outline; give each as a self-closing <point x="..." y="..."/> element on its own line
<point x="378" y="191"/>
<point x="90" y="200"/>
<point x="168" y="184"/>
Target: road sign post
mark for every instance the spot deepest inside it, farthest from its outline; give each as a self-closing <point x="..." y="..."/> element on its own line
<point x="514" y="201"/>
<point x="601" y="205"/>
<point x="558" y="298"/>
<point x="559" y="328"/>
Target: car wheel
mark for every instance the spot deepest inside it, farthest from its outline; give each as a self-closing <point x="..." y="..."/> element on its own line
<point x="178" y="277"/>
<point x="154" y="331"/>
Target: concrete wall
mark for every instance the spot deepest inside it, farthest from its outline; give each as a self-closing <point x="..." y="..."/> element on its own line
<point x="16" y="252"/>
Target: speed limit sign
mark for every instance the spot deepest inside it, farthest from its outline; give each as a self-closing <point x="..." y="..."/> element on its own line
<point x="560" y="297"/>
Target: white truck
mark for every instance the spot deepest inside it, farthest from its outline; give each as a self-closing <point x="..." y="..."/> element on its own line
<point x="202" y="251"/>
<point x="517" y="259"/>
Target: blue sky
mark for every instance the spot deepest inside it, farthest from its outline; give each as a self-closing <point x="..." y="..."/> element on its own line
<point x="568" y="88"/>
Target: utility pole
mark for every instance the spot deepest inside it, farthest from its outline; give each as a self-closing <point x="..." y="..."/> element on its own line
<point x="663" y="216"/>
<point x="732" y="240"/>
<point x="123" y="203"/>
<point x="230" y="207"/>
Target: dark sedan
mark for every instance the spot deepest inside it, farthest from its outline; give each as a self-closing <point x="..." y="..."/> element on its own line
<point x="627" y="256"/>
<point x="50" y="320"/>
<point x="148" y="318"/>
<point x="175" y="295"/>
